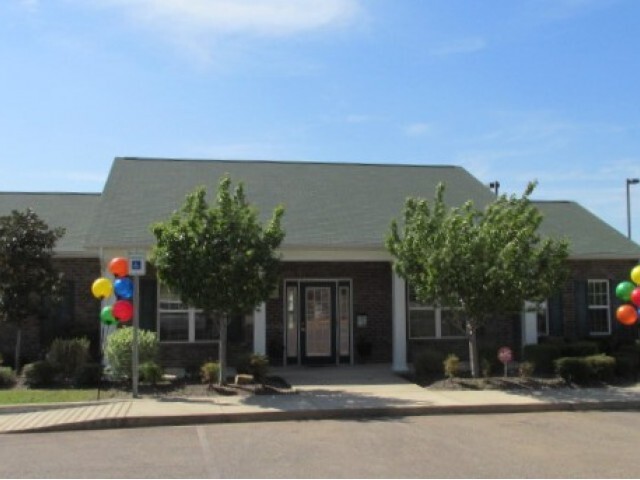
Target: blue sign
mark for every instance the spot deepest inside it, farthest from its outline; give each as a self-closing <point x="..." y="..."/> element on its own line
<point x="137" y="265"/>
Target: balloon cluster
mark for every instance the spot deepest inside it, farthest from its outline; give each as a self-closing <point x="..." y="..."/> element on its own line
<point x="627" y="291"/>
<point x="122" y="309"/>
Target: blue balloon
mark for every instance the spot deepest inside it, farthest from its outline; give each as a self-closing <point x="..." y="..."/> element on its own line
<point x="123" y="288"/>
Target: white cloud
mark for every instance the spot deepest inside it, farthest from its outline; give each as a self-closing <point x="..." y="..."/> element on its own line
<point x="273" y="18"/>
<point x="418" y="129"/>
<point x="459" y="46"/>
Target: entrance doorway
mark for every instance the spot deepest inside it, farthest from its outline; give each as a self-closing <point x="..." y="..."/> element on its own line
<point x="318" y="327"/>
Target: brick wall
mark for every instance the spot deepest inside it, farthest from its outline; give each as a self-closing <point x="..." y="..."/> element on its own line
<point x="582" y="270"/>
<point x="78" y="316"/>
<point x="187" y="355"/>
<point x="86" y="308"/>
<point x="502" y="331"/>
<point x="371" y="294"/>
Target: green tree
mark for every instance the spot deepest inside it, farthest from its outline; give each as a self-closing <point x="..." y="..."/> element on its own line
<point x="480" y="263"/>
<point x="28" y="278"/>
<point x="219" y="258"/>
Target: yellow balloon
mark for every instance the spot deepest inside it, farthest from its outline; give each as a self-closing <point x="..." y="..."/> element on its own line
<point x="102" y="288"/>
<point x="635" y="274"/>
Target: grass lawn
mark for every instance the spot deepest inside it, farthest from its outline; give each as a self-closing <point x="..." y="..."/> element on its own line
<point x="20" y="396"/>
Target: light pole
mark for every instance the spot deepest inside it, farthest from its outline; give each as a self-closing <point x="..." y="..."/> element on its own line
<point x="630" y="181"/>
<point x="495" y="186"/>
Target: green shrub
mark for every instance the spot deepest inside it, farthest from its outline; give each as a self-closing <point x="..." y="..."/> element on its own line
<point x="585" y="369"/>
<point x="451" y="365"/>
<point x="67" y="355"/>
<point x="118" y="350"/>
<point x="428" y="363"/>
<point x="602" y="367"/>
<point x="489" y="353"/>
<point x="629" y="349"/>
<point x="259" y="367"/>
<point x="7" y="377"/>
<point x="252" y="364"/>
<point x="88" y="375"/>
<point x="573" y="369"/>
<point x="543" y="356"/>
<point x="486" y="367"/>
<point x="209" y="372"/>
<point x="583" y="348"/>
<point x="627" y="364"/>
<point x="151" y="372"/>
<point x="40" y="374"/>
<point x="526" y="369"/>
<point x="242" y="363"/>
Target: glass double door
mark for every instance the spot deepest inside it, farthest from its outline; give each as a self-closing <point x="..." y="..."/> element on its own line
<point x="318" y="322"/>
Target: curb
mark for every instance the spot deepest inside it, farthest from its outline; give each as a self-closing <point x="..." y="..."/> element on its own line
<point x="40" y="407"/>
<point x="331" y="414"/>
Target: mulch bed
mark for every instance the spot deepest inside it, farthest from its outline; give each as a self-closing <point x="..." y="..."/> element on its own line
<point x="182" y="388"/>
<point x="495" y="383"/>
<point x="512" y="383"/>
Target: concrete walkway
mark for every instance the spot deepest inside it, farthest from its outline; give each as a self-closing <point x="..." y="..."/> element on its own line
<point x="321" y="393"/>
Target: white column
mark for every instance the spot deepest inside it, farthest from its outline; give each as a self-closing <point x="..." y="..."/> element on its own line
<point x="399" y="327"/>
<point x="529" y="324"/>
<point x="260" y="330"/>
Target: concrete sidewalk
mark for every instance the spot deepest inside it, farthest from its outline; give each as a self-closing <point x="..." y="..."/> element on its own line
<point x="332" y="393"/>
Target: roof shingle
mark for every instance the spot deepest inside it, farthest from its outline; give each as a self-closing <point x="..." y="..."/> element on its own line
<point x="72" y="211"/>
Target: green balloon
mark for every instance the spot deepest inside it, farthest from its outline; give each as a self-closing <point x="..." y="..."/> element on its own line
<point x="106" y="316"/>
<point x="623" y="290"/>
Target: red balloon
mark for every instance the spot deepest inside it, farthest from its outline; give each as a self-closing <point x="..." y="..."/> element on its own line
<point x="119" y="267"/>
<point x="635" y="296"/>
<point x="627" y="314"/>
<point x="123" y="310"/>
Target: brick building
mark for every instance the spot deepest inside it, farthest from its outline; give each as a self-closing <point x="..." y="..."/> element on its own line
<point x="339" y="300"/>
<point x="76" y="315"/>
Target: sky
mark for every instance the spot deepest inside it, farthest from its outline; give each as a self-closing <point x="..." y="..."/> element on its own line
<point x="513" y="91"/>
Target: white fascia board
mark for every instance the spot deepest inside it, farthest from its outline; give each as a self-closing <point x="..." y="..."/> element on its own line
<point x="604" y="256"/>
<point x="292" y="253"/>
<point x="75" y="254"/>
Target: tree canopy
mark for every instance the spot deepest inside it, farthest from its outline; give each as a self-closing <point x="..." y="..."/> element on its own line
<point x="483" y="263"/>
<point x="219" y="258"/>
<point x="27" y="275"/>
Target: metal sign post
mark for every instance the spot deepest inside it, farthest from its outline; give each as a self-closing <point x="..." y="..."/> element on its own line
<point x="137" y="267"/>
<point x="505" y="355"/>
<point x="136" y="325"/>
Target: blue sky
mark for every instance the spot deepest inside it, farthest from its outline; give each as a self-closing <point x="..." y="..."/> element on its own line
<point x="511" y="90"/>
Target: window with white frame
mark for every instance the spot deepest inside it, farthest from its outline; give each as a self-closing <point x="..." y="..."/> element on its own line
<point x="598" y="307"/>
<point x="428" y="321"/>
<point x="180" y="323"/>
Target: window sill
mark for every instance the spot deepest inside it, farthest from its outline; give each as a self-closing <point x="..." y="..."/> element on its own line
<point x="438" y="338"/>
<point x="187" y="342"/>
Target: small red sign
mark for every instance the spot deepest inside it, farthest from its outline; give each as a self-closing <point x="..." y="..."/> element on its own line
<point x="505" y="355"/>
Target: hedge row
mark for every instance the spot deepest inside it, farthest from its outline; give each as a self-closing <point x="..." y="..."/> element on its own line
<point x="586" y="369"/>
<point x="544" y="355"/>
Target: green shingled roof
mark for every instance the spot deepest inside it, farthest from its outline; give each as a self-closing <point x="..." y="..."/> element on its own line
<point x="326" y="204"/>
<point x="589" y="236"/>
<point x="73" y="211"/>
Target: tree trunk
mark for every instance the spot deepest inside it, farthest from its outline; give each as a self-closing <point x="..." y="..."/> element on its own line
<point x="473" y="350"/>
<point x="18" y="345"/>
<point x="222" y="350"/>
